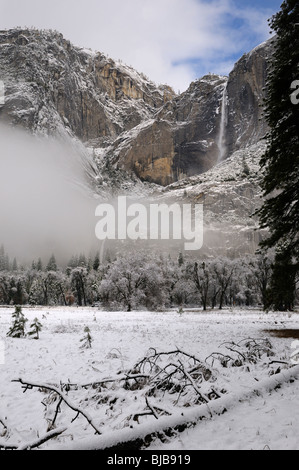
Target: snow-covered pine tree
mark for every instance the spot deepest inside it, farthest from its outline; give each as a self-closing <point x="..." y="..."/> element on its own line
<point x="87" y="339"/>
<point x="4" y="260"/>
<point x="180" y="259"/>
<point x="39" y="265"/>
<point x="17" y="329"/>
<point x="14" y="265"/>
<point x="280" y="211"/>
<point x="96" y="262"/>
<point x="52" y="265"/>
<point x="35" y="328"/>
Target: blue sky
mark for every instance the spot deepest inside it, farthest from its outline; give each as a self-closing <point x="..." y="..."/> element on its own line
<point x="171" y="41"/>
<point x="264" y="4"/>
<point x="247" y="26"/>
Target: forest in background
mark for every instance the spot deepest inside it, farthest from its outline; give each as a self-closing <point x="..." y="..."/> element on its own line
<point x="139" y="280"/>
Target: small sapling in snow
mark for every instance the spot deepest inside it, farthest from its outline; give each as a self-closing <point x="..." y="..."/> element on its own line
<point x="87" y="339"/>
<point x="35" y="328"/>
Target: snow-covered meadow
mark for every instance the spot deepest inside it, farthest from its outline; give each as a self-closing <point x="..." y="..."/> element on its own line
<point x="267" y="419"/>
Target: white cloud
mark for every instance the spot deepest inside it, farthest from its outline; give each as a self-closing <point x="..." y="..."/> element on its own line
<point x="150" y="35"/>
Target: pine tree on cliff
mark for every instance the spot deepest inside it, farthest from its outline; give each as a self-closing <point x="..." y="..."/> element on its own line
<point x="280" y="164"/>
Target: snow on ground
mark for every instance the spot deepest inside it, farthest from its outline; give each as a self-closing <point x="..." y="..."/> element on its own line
<point x="120" y="339"/>
<point x="268" y="422"/>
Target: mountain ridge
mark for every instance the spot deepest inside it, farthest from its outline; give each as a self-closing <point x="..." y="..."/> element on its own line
<point x="55" y="88"/>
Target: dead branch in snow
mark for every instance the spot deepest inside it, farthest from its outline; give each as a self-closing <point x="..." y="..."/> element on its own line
<point x="152" y="358"/>
<point x="36" y="443"/>
<point x="182" y="378"/>
<point x="41" y="440"/>
<point x="4" y="426"/>
<point x="248" y="350"/>
<point x="125" y="378"/>
<point x="153" y="410"/>
<point x="30" y="385"/>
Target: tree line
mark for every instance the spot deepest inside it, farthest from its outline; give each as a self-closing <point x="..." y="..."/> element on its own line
<point x="140" y="280"/>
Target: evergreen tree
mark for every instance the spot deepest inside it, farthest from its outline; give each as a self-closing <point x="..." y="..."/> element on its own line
<point x="73" y="262"/>
<point x="52" y="265"/>
<point x="280" y="163"/>
<point x="87" y="339"/>
<point x="82" y="260"/>
<point x="17" y="330"/>
<point x="14" y="265"/>
<point x="282" y="281"/>
<point x="4" y="260"/>
<point x="35" y="328"/>
<point x="39" y="265"/>
<point x="180" y="259"/>
<point x="96" y="262"/>
<point x="17" y="294"/>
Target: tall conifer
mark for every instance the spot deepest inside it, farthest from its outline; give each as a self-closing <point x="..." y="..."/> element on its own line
<point x="280" y="163"/>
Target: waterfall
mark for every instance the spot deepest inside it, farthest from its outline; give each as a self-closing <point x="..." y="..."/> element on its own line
<point x="223" y="122"/>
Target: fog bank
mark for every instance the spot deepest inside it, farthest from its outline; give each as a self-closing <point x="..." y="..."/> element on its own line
<point x="46" y="205"/>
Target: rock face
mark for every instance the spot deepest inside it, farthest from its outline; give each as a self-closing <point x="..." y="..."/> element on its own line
<point x="53" y="87"/>
<point x="131" y="125"/>
<point x="245" y="91"/>
<point x="182" y="139"/>
<point x="192" y="132"/>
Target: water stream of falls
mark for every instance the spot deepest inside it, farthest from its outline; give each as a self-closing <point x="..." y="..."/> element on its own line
<point x="223" y="122"/>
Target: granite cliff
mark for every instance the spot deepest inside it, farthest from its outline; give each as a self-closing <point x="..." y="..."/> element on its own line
<point x="201" y="127"/>
<point x="55" y="88"/>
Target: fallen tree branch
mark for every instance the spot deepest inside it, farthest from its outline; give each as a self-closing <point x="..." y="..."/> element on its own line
<point x="151" y="408"/>
<point x="142" y="436"/>
<point x="29" y="385"/>
<point x="216" y="355"/>
<point x="4" y="425"/>
<point x="188" y="376"/>
<point x="36" y="443"/>
<point x="155" y="355"/>
<point x="56" y="411"/>
<point x="251" y="351"/>
<point x="278" y="362"/>
<point x="41" y="440"/>
<point x="116" y="379"/>
<point x="230" y="348"/>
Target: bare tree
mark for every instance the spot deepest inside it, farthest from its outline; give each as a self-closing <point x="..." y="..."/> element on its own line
<point x="224" y="270"/>
<point x="202" y="279"/>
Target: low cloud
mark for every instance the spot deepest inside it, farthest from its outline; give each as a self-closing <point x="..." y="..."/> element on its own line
<point x="45" y="205"/>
